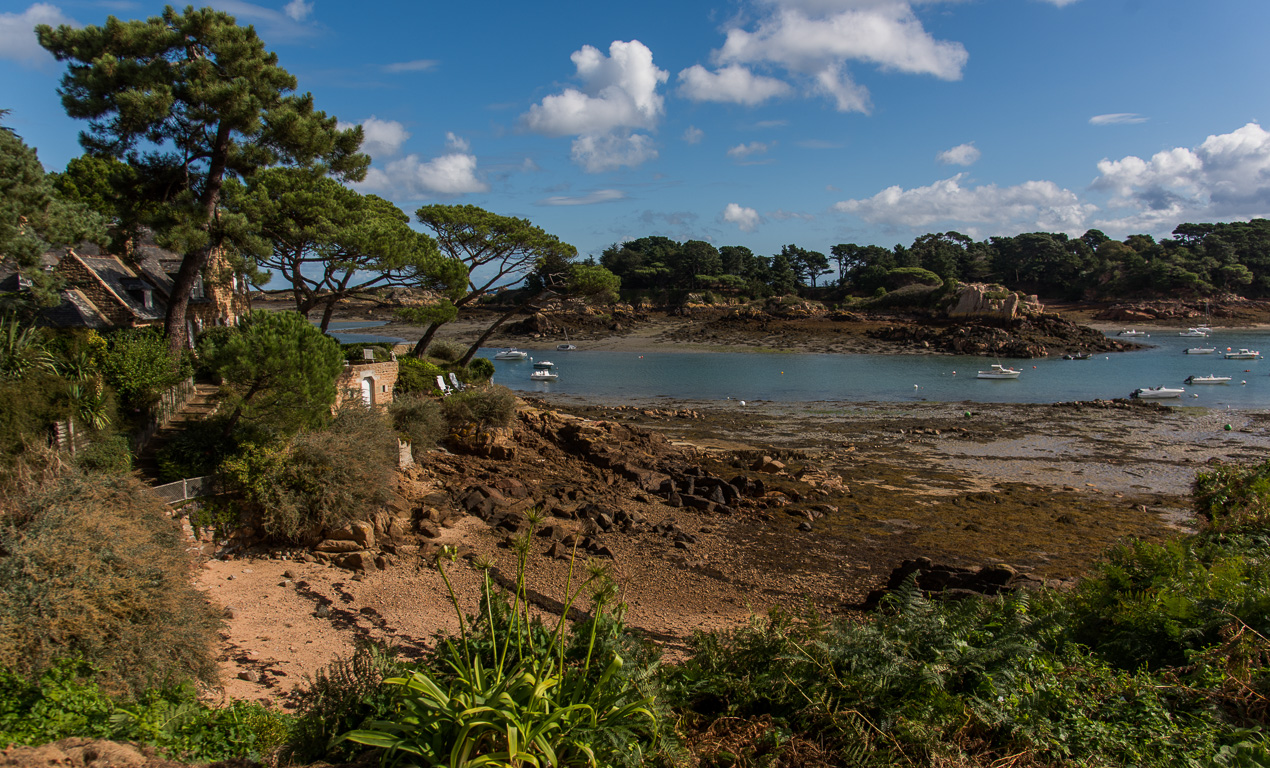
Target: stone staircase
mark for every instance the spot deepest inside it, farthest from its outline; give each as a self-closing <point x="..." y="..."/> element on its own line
<point x="201" y="406"/>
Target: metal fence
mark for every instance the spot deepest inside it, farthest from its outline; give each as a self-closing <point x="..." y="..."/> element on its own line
<point x="189" y="488"/>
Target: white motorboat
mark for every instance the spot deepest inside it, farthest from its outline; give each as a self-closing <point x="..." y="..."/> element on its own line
<point x="543" y="365"/>
<point x="565" y="347"/>
<point x="1209" y="379"/>
<point x="543" y="375"/>
<point x="511" y="354"/>
<point x="1201" y="350"/>
<point x="1195" y="333"/>
<point x="999" y="371"/>
<point x="1131" y="332"/>
<point x="1242" y="354"/>
<point x="1156" y="393"/>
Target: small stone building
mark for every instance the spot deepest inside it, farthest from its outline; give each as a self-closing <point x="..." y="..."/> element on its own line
<point x="371" y="382"/>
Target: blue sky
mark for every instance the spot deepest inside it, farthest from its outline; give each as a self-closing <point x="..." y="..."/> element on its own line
<point x="765" y="122"/>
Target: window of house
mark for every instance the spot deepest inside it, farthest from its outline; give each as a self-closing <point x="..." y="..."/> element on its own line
<point x="197" y="293"/>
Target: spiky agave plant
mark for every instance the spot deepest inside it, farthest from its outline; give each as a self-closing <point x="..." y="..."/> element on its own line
<point x="529" y="705"/>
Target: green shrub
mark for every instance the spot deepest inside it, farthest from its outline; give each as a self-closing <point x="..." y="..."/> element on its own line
<point x="197" y="449"/>
<point x="353" y="351"/>
<point x="415" y="375"/>
<point x="323" y="479"/>
<point x="446" y="350"/>
<point x="96" y="568"/>
<point x="66" y="701"/>
<point x="417" y="418"/>
<point x="493" y="406"/>
<point x="137" y="365"/>
<point x="345" y="695"/>
<point x="480" y="369"/>
<point x="208" y="345"/>
<point x="30" y="408"/>
<point x="111" y="454"/>
<point x="508" y="692"/>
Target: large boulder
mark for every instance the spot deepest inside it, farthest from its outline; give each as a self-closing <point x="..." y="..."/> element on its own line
<point x="993" y="302"/>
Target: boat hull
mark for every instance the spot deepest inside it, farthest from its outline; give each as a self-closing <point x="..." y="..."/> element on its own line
<point x="1157" y="393"/>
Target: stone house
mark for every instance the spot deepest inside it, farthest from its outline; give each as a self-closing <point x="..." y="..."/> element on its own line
<point x="104" y="291"/>
<point x="370" y="382"/>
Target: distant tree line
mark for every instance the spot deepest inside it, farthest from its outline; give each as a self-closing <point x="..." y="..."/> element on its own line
<point x="1199" y="260"/>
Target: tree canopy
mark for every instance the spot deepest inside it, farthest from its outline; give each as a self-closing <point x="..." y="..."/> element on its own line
<point x="497" y="251"/>
<point x="190" y="99"/>
<point x="330" y="243"/>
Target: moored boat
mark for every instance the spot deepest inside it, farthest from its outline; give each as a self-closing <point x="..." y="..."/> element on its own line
<point x="999" y="371"/>
<point x="1198" y="333"/>
<point x="1201" y="350"/>
<point x="543" y="365"/>
<point x="543" y="375"/>
<point x="1242" y="354"/>
<point x="1131" y="332"/>
<point x="511" y="354"/>
<point x="1209" y="379"/>
<point x="1156" y="393"/>
<point x="565" y="347"/>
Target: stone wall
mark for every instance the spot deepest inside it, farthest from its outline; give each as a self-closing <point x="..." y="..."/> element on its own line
<point x="382" y="375"/>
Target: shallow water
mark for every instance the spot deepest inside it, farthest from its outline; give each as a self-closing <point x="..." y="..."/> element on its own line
<point x="620" y="376"/>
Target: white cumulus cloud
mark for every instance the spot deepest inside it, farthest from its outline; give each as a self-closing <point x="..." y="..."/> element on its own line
<point x="618" y="91"/>
<point x="610" y="152"/>
<point x="1032" y="205"/>
<point x="298" y="10"/>
<point x="1225" y="177"/>
<point x="17" y="33"/>
<point x="693" y="134"/>
<point x="411" y="177"/>
<point x="817" y="40"/>
<point x="416" y="65"/>
<point x="962" y="154"/>
<point x="746" y="219"/>
<point x="380" y="138"/>
<point x="742" y="151"/>
<point x="732" y="84"/>
<point x="1117" y="118"/>
<point x="618" y="96"/>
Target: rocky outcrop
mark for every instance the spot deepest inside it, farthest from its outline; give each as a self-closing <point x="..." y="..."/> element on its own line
<point x="993" y="303"/>
<point x="1026" y="337"/>
<point x="951" y="582"/>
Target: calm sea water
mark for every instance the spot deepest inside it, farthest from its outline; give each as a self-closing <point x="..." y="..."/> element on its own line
<point x="617" y="376"/>
<point x="336" y="329"/>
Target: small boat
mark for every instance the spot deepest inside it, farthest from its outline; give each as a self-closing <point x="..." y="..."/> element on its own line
<point x="565" y="347"/>
<point x="543" y="375"/>
<point x="1077" y="356"/>
<point x="1201" y="350"/>
<point x="999" y="371"/>
<point x="543" y="365"/>
<point x="1131" y="332"/>
<point x="1156" y="393"/>
<point x="1209" y="379"/>
<point x="511" y="354"/>
<point x="1196" y="333"/>
<point x="1242" y="354"/>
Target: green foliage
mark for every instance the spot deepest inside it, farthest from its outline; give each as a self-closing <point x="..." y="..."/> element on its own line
<point x="416" y="376"/>
<point x="322" y="479"/>
<point x="278" y="371"/>
<point x="109" y="454"/>
<point x="382" y="350"/>
<point x="137" y="365"/>
<point x="417" y="418"/>
<point x="445" y="350"/>
<point x="66" y="701"/>
<point x="480" y="369"/>
<point x="509" y="692"/>
<point x="198" y="448"/>
<point x="493" y="406"/>
<point x="95" y="567"/>
<point x="30" y="408"/>
<point x="345" y="695"/>
<point x="22" y="349"/>
<point x="34" y="217"/>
